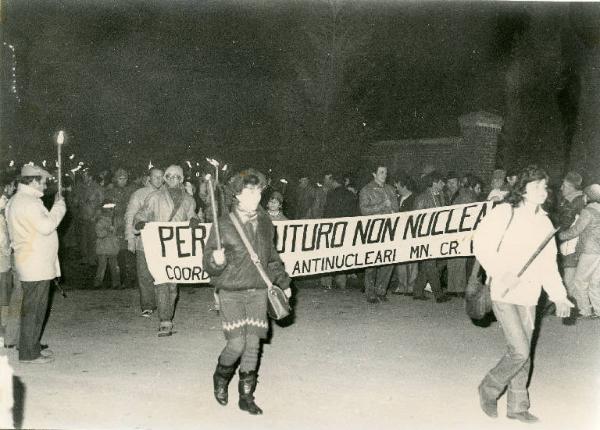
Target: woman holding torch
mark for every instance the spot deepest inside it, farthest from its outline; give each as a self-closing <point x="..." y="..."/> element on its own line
<point x="241" y="289"/>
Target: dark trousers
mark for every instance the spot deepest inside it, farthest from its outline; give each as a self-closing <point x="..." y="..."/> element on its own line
<point x="33" y="313"/>
<point x="457" y="274"/>
<point x="428" y="272"/>
<point x="113" y="265"/>
<point x="166" y="296"/>
<point x="145" y="283"/>
<point x="377" y="280"/>
<point x="87" y="241"/>
<point x="127" y="264"/>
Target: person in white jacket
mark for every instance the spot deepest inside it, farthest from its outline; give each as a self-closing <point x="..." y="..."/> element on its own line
<point x="32" y="230"/>
<point x="503" y="243"/>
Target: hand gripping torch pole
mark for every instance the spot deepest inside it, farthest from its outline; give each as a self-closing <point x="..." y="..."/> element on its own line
<point x="213" y="204"/>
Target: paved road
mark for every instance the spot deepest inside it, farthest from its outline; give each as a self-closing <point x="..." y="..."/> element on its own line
<point x="342" y="364"/>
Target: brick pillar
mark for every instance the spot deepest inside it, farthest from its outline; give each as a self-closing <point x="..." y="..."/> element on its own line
<point x="480" y="132"/>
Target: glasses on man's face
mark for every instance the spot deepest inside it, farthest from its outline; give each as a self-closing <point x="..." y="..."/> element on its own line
<point x="169" y="176"/>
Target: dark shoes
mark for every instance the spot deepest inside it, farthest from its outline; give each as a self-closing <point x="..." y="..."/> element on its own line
<point x="221" y="379"/>
<point x="401" y="293"/>
<point x="377" y="299"/>
<point x="524" y="417"/>
<point x="489" y="406"/>
<point x="246" y="388"/>
<point x="443" y="298"/>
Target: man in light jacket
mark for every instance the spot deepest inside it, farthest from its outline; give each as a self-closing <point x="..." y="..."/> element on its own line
<point x="32" y="229"/>
<point x="135" y="245"/>
<point x="168" y="204"/>
<point x="377" y="197"/>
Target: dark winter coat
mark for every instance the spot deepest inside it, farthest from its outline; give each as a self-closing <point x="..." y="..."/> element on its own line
<point x="239" y="272"/>
<point x="427" y="200"/>
<point x="107" y="242"/>
<point x="340" y="202"/>
<point x="464" y="196"/>
<point x="305" y="200"/>
<point x="408" y="204"/>
<point x="568" y="210"/>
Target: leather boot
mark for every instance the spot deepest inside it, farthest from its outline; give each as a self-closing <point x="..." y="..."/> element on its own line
<point x="221" y="379"/>
<point x="246" y="388"/>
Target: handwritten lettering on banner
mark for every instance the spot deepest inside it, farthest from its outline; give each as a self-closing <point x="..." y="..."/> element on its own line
<point x="310" y="247"/>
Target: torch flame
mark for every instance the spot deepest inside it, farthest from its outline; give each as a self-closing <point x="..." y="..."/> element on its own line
<point x="213" y="162"/>
<point x="150" y="165"/>
<point x="189" y="164"/>
<point x="61" y="137"/>
<point x="71" y="156"/>
<point x="283" y="181"/>
<point x="12" y="163"/>
<point x="44" y="163"/>
<point x="224" y="167"/>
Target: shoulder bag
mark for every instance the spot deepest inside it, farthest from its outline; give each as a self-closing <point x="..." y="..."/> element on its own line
<point x="278" y="304"/>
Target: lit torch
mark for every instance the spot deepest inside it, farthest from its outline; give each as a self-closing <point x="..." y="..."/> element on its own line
<point x="284" y="182"/>
<point x="215" y="164"/>
<point x="59" y="143"/>
<point x="213" y="205"/>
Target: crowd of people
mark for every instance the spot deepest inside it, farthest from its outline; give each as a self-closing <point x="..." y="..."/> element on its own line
<point x="100" y="221"/>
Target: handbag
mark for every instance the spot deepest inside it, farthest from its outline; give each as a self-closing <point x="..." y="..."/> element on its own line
<point x="278" y="305"/>
<point x="478" y="300"/>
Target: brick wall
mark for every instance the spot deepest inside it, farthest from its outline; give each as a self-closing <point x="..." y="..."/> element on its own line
<point x="473" y="152"/>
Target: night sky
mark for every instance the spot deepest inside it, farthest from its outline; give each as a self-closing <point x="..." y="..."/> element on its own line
<point x="183" y="80"/>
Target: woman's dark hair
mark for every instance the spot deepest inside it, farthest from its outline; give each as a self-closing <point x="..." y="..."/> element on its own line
<point x="245" y="178"/>
<point x="474" y="180"/>
<point x="433" y="178"/>
<point x="406" y="181"/>
<point x="531" y="173"/>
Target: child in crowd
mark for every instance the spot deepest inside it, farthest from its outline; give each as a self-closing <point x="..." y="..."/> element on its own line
<point x="274" y="206"/>
<point x="107" y="247"/>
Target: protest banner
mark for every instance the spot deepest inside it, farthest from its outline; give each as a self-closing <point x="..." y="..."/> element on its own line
<point x="311" y="247"/>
